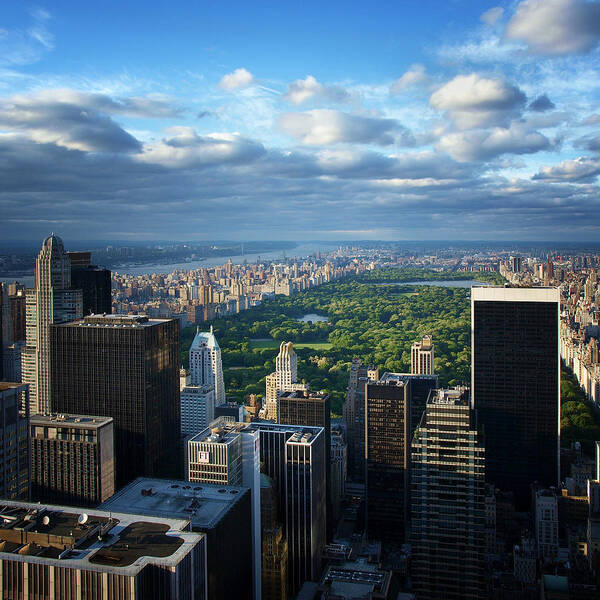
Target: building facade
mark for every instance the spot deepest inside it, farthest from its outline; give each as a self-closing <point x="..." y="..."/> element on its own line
<point x="421" y="357"/>
<point x="515" y="375"/>
<point x="52" y="300"/>
<point x="448" y="501"/>
<point x="127" y="368"/>
<point x="205" y="363"/>
<point x="72" y="459"/>
<point x="14" y="441"/>
<point x="94" y="283"/>
<point x="387" y="458"/>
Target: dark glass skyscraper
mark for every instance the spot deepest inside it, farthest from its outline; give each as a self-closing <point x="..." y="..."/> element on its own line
<point x="387" y="454"/>
<point x="516" y="384"/>
<point x="94" y="283"/>
<point x="127" y="368"/>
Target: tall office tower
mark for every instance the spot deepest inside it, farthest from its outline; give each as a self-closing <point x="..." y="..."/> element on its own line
<point x="387" y="457"/>
<point x="354" y="416"/>
<point x="14" y="441"/>
<point x="228" y="453"/>
<point x="64" y="553"/>
<point x="274" y="545"/>
<point x="12" y="332"/>
<point x="515" y="263"/>
<point x="515" y="376"/>
<point x="127" y="368"/>
<point x="72" y="459"/>
<point x="312" y="409"/>
<point x="94" y="283"/>
<point x="294" y="457"/>
<point x="338" y="470"/>
<point x="421" y="357"/>
<point x="448" y="501"/>
<point x="52" y="300"/>
<point x="205" y="363"/>
<point x="197" y="408"/>
<point x="284" y="379"/>
<point x="546" y="524"/>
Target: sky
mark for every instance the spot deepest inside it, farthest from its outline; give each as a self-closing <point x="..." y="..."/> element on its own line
<point x="429" y="120"/>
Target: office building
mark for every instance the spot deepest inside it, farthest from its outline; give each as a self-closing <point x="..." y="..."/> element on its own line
<point x="72" y="459"/>
<point x="52" y="300"/>
<point x="516" y="385"/>
<point x="230" y="409"/>
<point x="94" y="283"/>
<point x="354" y="416"/>
<point x="197" y="408"/>
<point x="283" y="379"/>
<point x="358" y="579"/>
<point x="14" y="441"/>
<point x="58" y="552"/>
<point x="222" y="513"/>
<point x="228" y="453"/>
<point x="127" y="368"/>
<point x="448" y="501"/>
<point x="12" y="332"/>
<point x="387" y="457"/>
<point x="205" y="363"/>
<point x="294" y="457"/>
<point x="546" y="524"/>
<point x="338" y="471"/>
<point x="274" y="544"/>
<point x="421" y="357"/>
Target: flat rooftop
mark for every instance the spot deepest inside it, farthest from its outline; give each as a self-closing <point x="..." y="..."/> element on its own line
<point x="355" y="579"/>
<point x="102" y="320"/>
<point x="7" y="385"/>
<point x="93" y="540"/>
<point x="404" y="377"/>
<point x="457" y="397"/>
<point x="204" y="505"/>
<point x="68" y="420"/>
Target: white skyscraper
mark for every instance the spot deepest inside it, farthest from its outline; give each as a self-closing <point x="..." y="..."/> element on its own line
<point x="51" y="301"/>
<point x="421" y="357"/>
<point x="205" y="389"/>
<point x="283" y="379"/>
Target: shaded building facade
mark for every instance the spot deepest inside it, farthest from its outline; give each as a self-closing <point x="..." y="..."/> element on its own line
<point x="516" y="384"/>
<point x="94" y="283"/>
<point x="127" y="368"/>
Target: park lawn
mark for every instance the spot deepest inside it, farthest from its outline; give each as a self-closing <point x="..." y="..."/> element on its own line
<point x="274" y="344"/>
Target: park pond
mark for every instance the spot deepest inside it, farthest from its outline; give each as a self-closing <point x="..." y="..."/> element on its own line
<point x="312" y="318"/>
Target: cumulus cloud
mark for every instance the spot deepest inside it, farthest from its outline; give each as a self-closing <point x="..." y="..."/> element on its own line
<point x="589" y="142"/>
<point x="475" y="101"/>
<point x="239" y="78"/>
<point x="492" y="15"/>
<point x="485" y="144"/>
<point x="582" y="169"/>
<point x="415" y="75"/>
<point x="320" y="127"/>
<point x="309" y="89"/>
<point x="47" y="119"/>
<point x="541" y="104"/>
<point x="184" y="148"/>
<point x="556" y="27"/>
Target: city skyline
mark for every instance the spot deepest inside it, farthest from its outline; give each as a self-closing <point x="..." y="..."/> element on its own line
<point x="242" y="120"/>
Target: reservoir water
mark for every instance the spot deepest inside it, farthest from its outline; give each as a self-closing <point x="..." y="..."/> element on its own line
<point x="313" y="318"/>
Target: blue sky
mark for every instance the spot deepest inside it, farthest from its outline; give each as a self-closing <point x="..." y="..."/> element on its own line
<point x="387" y="120"/>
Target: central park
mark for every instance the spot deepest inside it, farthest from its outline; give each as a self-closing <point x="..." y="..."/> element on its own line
<point x="376" y="317"/>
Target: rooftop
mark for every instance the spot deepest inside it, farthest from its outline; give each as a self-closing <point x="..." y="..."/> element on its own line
<point x="76" y="421"/>
<point x="355" y="579"/>
<point x="104" y="320"/>
<point x="404" y="377"/>
<point x="7" y="385"/>
<point x="202" y="504"/>
<point x="93" y="540"/>
<point x="204" y="338"/>
<point x="456" y="396"/>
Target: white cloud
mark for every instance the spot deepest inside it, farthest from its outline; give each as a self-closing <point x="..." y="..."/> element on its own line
<point x="320" y="127"/>
<point x="485" y="144"/>
<point x="583" y="168"/>
<point x="474" y="101"/>
<point x="414" y="76"/>
<point x="556" y="27"/>
<point x="239" y="78"/>
<point x="492" y="15"/>
<point x="303" y="90"/>
<point x="184" y="148"/>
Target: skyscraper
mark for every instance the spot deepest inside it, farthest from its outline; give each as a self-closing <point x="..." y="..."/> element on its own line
<point x="127" y="368"/>
<point x="283" y="379"/>
<point x="94" y="283"/>
<point x="72" y="459"/>
<point x="387" y="456"/>
<point x="421" y="357"/>
<point x="205" y="363"/>
<point x="448" y="501"/>
<point x="516" y="384"/>
<point x="52" y="300"/>
<point x="14" y="441"/>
